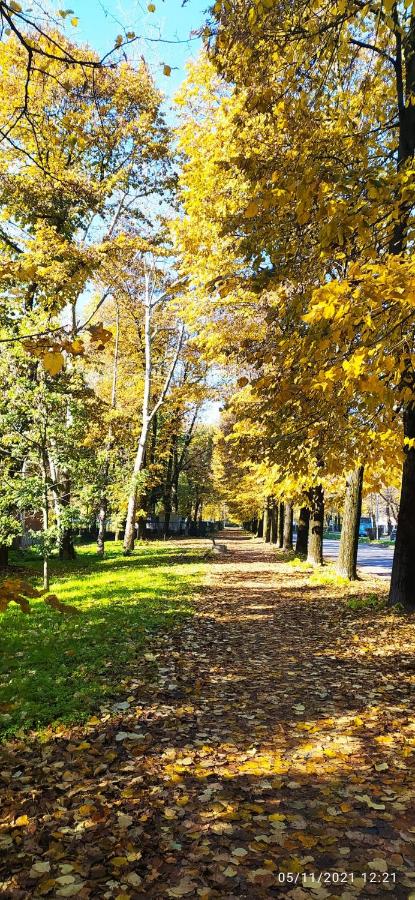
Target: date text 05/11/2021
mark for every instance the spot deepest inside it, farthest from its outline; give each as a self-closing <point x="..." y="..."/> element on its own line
<point x="309" y="878"/>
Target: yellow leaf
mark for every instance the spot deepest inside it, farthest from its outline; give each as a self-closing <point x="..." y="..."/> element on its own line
<point x="151" y="7"/>
<point x="53" y="362"/>
<point x="251" y="210"/>
<point x="166" y="69"/>
<point x="170" y="813"/>
<point x="77" y="346"/>
<point x="22" y="820"/>
<point x="86" y="809"/>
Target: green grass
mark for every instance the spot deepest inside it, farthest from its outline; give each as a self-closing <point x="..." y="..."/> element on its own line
<point x="57" y="668"/>
<point x="327" y="575"/>
<point x="372" y="601"/>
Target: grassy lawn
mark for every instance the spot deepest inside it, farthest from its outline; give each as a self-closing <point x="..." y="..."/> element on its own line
<point x="57" y="668"/>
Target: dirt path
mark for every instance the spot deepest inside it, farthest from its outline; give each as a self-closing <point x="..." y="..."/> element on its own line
<point x="266" y="747"/>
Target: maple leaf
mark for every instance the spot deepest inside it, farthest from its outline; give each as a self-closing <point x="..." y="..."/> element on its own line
<point x="53" y="362"/>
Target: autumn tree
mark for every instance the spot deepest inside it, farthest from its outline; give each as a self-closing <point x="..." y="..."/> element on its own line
<point x="367" y="209"/>
<point x="97" y="157"/>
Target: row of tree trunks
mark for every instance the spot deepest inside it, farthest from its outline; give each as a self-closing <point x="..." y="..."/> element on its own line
<point x="278" y="526"/>
<point x="277" y="523"/>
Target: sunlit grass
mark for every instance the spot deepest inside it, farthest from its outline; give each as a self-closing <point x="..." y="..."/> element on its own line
<point x="328" y="576"/>
<point x="58" y="668"/>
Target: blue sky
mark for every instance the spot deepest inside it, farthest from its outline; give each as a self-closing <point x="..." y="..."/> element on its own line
<point x="100" y="21"/>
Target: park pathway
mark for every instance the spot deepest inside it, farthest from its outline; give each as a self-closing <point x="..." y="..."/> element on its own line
<point x="264" y="749"/>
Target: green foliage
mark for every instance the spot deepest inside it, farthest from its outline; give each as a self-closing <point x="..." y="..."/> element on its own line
<point x="56" y="668"/>
<point x="371" y="601"/>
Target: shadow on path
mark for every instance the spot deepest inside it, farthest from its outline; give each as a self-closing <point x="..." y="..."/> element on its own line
<point x="268" y="738"/>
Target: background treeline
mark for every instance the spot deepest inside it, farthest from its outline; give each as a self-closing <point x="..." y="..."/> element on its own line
<point x="102" y="381"/>
<point x="298" y="135"/>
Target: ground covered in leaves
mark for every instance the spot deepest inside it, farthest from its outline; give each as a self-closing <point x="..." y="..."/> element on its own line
<point x="263" y="748"/>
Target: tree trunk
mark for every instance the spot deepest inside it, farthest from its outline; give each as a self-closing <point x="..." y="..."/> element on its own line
<point x="267" y="521"/>
<point x="66" y="548"/>
<point x="4" y="556"/>
<point x="147" y="416"/>
<point x="129" y="535"/>
<point x="349" y="540"/>
<point x="280" y="542"/>
<point x="288" y="526"/>
<point x="197" y="506"/>
<point x="103" y="503"/>
<point x="54" y="489"/>
<point x="66" y="544"/>
<point x="315" y="538"/>
<point x="302" y="531"/>
<point x="45" y="512"/>
<point x="337" y="522"/>
<point x="168" y="486"/>
<point x="175" y="491"/>
<point x="102" y="520"/>
<point x="260" y="530"/>
<point x="402" y="588"/>
<point x="274" y="522"/>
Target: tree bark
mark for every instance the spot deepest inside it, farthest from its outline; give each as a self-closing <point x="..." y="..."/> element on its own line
<point x="302" y="531"/>
<point x="280" y="542"/>
<point x="168" y="486"/>
<point x="45" y="513"/>
<point x="288" y="526"/>
<point x="55" y="490"/>
<point x="267" y="521"/>
<point x="4" y="556"/>
<point x="315" y="538"/>
<point x="175" y="482"/>
<point x="66" y="544"/>
<point x="346" y="565"/>
<point x="402" y="588"/>
<point x="102" y="520"/>
<point x="274" y="522"/>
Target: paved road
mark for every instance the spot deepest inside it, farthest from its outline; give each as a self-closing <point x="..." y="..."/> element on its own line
<point x="372" y="557"/>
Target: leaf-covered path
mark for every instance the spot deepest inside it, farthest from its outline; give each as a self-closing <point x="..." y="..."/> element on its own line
<point x="264" y="747"/>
